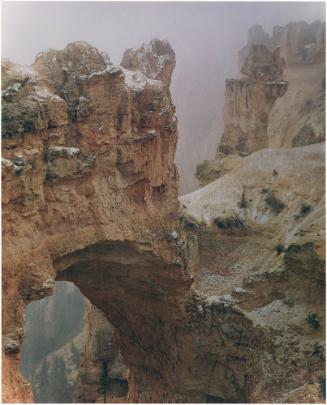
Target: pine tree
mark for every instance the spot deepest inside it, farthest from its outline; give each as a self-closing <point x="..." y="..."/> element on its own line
<point x="104" y="380"/>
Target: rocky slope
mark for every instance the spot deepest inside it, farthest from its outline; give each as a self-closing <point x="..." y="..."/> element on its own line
<point x="262" y="247"/>
<point x="261" y="223"/>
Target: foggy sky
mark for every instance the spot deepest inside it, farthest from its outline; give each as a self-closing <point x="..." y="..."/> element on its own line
<point x="205" y="36"/>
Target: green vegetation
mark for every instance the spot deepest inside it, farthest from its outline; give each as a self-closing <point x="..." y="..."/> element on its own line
<point x="229" y="223"/>
<point x="280" y="248"/>
<point x="322" y="383"/>
<point x="273" y="202"/>
<point x="104" y="380"/>
<point x="188" y="222"/>
<point x="305" y="208"/>
<point x="313" y="320"/>
<point x="243" y="203"/>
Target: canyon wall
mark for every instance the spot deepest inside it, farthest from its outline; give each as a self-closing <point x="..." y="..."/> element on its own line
<point x="216" y="299"/>
<point x="281" y="100"/>
<point x="261" y="234"/>
<point x="248" y="102"/>
<point x="50" y="355"/>
<point x="300" y="42"/>
<point x="100" y="347"/>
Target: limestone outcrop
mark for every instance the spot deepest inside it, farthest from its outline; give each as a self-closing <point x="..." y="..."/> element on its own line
<point x="268" y="198"/>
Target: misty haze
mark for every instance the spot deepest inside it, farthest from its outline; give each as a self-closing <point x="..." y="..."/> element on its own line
<point x="163" y="209"/>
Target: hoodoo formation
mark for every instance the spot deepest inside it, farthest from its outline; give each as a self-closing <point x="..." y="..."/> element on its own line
<point x="215" y="297"/>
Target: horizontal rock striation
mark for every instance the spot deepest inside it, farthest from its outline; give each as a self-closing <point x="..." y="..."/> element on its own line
<point x="88" y="165"/>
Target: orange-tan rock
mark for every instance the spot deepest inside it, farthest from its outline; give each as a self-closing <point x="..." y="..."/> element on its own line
<point x="217" y="302"/>
<point x="88" y="164"/>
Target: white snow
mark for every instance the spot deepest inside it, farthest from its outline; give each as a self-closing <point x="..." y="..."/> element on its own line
<point x="70" y="151"/>
<point x="42" y="92"/>
<point x="111" y="69"/>
<point x="137" y="81"/>
<point x="25" y="70"/>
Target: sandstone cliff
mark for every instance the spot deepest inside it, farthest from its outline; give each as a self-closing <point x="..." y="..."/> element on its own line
<point x="217" y="302"/>
<point x="88" y="167"/>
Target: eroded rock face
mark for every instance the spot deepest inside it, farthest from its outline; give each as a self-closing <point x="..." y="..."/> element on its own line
<point x="279" y="104"/>
<point x="261" y="240"/>
<point x="248" y="103"/>
<point x="300" y="42"/>
<point x="88" y="164"/>
<point x="262" y="64"/>
<point x="155" y="60"/>
<point x="90" y="196"/>
<point x="101" y="346"/>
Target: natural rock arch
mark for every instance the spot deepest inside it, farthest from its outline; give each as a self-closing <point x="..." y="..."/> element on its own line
<point x="142" y="296"/>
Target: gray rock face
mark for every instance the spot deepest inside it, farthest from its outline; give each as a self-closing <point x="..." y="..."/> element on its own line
<point x="262" y="64"/>
<point x="300" y="42"/>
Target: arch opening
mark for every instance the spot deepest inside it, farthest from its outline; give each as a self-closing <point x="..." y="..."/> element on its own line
<point x="69" y="352"/>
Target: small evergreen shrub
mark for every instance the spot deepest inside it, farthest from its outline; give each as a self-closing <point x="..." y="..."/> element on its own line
<point x="274" y="203"/>
<point x="229" y="223"/>
<point x="313" y="320"/>
<point x="243" y="203"/>
<point x="305" y="208"/>
<point x="322" y="383"/>
<point x="280" y="248"/>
